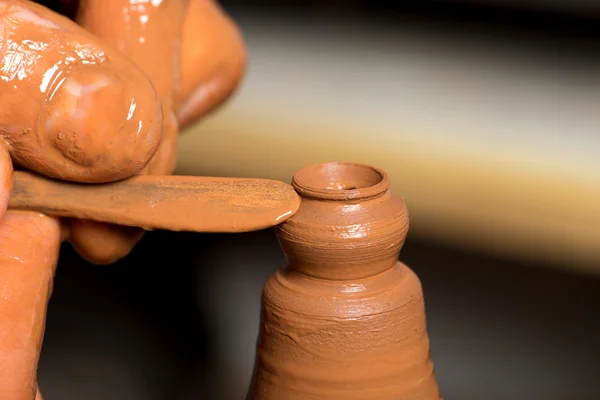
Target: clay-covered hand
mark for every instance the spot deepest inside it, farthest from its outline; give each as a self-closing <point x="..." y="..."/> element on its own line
<point x="70" y="108"/>
<point x="73" y="107"/>
<point x="194" y="56"/>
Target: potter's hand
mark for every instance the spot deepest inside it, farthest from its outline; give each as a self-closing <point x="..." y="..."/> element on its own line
<point x="194" y="56"/>
<point x="73" y="108"/>
<point x="70" y="108"/>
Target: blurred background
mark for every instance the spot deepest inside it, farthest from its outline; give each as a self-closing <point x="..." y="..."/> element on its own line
<point x="483" y="113"/>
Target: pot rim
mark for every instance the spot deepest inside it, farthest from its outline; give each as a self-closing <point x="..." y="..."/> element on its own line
<point x="341" y="181"/>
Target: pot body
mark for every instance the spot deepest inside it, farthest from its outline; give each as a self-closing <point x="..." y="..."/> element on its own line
<point x="343" y="319"/>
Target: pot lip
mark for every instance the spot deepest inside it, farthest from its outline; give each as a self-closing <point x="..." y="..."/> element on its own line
<point x="304" y="181"/>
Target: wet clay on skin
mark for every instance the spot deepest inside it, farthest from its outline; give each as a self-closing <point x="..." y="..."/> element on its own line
<point x="27" y="272"/>
<point x="71" y="107"/>
<point x="177" y="203"/>
<point x="343" y="319"/>
<point x="150" y="33"/>
<point x="190" y="49"/>
<point x="213" y="59"/>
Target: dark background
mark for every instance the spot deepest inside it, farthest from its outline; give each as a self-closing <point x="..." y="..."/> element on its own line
<point x="178" y="318"/>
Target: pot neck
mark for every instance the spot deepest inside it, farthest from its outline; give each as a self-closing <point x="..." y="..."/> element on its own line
<point x="338" y="181"/>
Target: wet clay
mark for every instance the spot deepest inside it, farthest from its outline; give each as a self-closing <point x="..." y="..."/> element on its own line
<point x="343" y="319"/>
<point x="149" y="33"/>
<point x="30" y="244"/>
<point x="71" y="107"/>
<point x="190" y="49"/>
<point x="213" y="59"/>
<point x="177" y="203"/>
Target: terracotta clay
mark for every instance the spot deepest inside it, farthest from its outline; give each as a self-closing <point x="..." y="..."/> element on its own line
<point x="177" y="203"/>
<point x="150" y="33"/>
<point x="343" y="319"/>
<point x="27" y="271"/>
<point x="190" y="49"/>
<point x="213" y="59"/>
<point x="71" y="107"/>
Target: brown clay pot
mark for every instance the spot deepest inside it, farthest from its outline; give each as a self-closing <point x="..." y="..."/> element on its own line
<point x="343" y="319"/>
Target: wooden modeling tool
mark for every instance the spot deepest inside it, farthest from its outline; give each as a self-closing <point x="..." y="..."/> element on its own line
<point x="176" y="203"/>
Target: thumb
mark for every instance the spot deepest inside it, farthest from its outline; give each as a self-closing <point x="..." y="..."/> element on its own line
<point x="72" y="107"/>
<point x="29" y="246"/>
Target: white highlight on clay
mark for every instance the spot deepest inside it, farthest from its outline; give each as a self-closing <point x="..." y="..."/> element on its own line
<point x="131" y="109"/>
<point x="20" y="261"/>
<point x="354" y="288"/>
<point x="139" y="128"/>
<point x="283" y="215"/>
<point x="48" y="75"/>
<point x="356" y="231"/>
<point x="77" y="89"/>
<point x="155" y="3"/>
<point x="70" y="104"/>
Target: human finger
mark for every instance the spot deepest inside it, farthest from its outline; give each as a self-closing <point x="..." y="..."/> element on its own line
<point x="149" y="33"/>
<point x="213" y="59"/>
<point x="101" y="243"/>
<point x="72" y="107"/>
<point x="29" y="246"/>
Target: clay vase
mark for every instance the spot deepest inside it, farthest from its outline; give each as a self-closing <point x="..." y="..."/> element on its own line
<point x="343" y="319"/>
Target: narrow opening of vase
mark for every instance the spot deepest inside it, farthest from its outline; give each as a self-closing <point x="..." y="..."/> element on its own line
<point x="340" y="181"/>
